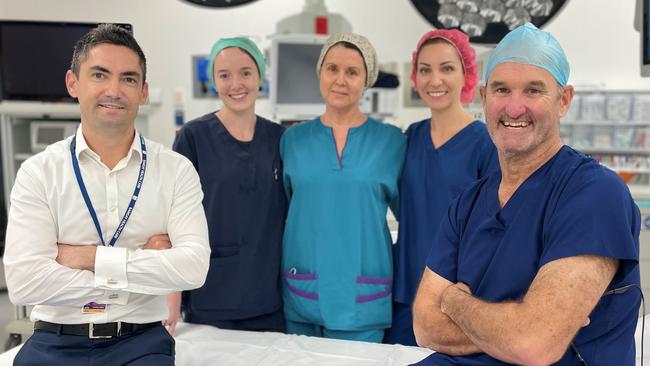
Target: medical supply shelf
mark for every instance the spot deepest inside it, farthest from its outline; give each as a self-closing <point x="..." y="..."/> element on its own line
<point x="612" y="126"/>
<point x="623" y="146"/>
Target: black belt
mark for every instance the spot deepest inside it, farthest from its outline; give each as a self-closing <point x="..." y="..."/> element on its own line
<point x="91" y="330"/>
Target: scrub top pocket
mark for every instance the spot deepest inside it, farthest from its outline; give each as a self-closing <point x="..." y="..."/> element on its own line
<point x="373" y="299"/>
<point x="301" y="297"/>
<point x="221" y="291"/>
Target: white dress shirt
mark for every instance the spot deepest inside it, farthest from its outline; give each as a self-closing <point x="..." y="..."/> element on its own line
<point x="47" y="208"/>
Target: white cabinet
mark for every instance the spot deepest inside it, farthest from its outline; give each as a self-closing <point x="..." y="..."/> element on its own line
<point x="15" y="121"/>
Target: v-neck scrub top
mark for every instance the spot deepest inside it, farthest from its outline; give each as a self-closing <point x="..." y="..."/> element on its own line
<point x="432" y="177"/>
<point x="246" y="208"/>
<point x="337" y="258"/>
<point x="570" y="206"/>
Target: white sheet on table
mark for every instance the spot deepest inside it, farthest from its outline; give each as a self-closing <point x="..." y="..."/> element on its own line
<point x="199" y="344"/>
<point x="205" y="345"/>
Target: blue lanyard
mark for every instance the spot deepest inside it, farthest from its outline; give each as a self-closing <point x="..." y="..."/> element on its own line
<point x="89" y="204"/>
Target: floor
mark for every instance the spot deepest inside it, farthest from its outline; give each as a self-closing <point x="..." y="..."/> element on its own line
<point x="7" y="312"/>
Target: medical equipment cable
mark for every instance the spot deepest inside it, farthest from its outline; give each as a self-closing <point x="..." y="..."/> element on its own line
<point x="618" y="291"/>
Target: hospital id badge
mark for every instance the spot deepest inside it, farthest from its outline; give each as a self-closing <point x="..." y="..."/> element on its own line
<point x="94" y="308"/>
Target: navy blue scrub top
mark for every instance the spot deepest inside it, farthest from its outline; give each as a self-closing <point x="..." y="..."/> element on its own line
<point x="570" y="206"/>
<point x="246" y="207"/>
<point x="431" y="178"/>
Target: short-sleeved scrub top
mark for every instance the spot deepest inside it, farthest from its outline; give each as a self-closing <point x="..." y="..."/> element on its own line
<point x="245" y="206"/>
<point x="431" y="178"/>
<point x="337" y="261"/>
<point x="570" y="206"/>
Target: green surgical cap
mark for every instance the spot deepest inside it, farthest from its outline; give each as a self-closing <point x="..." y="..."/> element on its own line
<point x="242" y="43"/>
<point x="529" y="45"/>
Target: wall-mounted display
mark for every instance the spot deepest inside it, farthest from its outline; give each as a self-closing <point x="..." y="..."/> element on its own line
<point x="34" y="57"/>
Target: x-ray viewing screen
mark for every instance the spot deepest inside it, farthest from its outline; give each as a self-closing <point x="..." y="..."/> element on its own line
<point x="297" y="80"/>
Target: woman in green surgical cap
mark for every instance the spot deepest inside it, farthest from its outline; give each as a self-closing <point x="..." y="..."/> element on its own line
<point x="236" y="155"/>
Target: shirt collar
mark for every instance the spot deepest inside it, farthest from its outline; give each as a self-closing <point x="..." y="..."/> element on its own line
<point x="82" y="145"/>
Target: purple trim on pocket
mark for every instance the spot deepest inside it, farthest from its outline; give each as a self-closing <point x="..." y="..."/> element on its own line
<point x="300" y="276"/>
<point x="371" y="297"/>
<point x="301" y="293"/>
<point x="374" y="280"/>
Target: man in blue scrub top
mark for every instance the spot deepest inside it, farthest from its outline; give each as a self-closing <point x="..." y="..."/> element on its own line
<point x="537" y="263"/>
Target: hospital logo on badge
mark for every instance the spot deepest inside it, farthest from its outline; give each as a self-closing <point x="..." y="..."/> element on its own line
<point x="93" y="308"/>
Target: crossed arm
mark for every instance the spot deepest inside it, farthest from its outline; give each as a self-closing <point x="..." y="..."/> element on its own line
<point x="538" y="329"/>
<point x="41" y="271"/>
<point x="83" y="257"/>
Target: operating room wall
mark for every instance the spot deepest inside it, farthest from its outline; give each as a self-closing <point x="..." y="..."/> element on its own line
<point x="598" y="36"/>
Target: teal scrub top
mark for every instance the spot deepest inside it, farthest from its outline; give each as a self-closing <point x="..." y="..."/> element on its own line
<point x="337" y="261"/>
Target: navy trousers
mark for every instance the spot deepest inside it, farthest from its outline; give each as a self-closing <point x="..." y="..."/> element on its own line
<point x="152" y="346"/>
<point x="401" y="332"/>
<point x="273" y="322"/>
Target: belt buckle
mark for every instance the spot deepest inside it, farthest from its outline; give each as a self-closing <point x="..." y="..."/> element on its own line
<point x="91" y="331"/>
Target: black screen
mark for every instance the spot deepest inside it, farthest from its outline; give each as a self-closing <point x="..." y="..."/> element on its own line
<point x="297" y="79"/>
<point x="3" y="210"/>
<point x="34" y="57"/>
<point x="645" y="34"/>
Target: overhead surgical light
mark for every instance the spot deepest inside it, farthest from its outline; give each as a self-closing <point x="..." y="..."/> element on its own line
<point x="487" y="21"/>
<point x="219" y="3"/>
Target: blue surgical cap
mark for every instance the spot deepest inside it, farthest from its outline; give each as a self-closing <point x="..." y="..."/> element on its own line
<point x="529" y="45"/>
<point x="242" y="43"/>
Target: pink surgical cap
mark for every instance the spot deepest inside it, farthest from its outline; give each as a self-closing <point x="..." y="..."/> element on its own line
<point x="467" y="55"/>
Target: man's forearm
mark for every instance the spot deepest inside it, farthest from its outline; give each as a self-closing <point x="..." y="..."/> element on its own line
<point x="514" y="332"/>
<point x="437" y="331"/>
<point x="42" y="281"/>
<point x="432" y="328"/>
<point x="77" y="256"/>
<point x="468" y="313"/>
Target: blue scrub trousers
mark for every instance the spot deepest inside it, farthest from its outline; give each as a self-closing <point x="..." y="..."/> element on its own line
<point x="273" y="322"/>
<point x="315" y="330"/>
<point x="401" y="331"/>
<point x="152" y="346"/>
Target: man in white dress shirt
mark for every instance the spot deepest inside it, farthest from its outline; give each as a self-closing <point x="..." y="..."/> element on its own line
<point x="82" y="239"/>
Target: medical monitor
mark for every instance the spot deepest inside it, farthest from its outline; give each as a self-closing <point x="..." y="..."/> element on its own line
<point x="44" y="133"/>
<point x="294" y="91"/>
<point x="645" y="39"/>
<point x="34" y="57"/>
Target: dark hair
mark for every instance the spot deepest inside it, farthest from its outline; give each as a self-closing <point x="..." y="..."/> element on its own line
<point x="106" y="34"/>
<point x="352" y="46"/>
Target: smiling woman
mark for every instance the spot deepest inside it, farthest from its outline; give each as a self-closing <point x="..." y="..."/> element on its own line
<point x="447" y="150"/>
<point x="236" y="155"/>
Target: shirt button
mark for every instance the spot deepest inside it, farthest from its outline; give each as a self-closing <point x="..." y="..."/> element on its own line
<point x="113" y="208"/>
